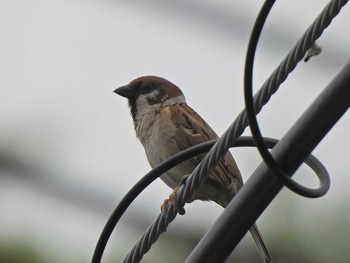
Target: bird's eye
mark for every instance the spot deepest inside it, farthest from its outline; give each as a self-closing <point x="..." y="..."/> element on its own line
<point x="146" y="88"/>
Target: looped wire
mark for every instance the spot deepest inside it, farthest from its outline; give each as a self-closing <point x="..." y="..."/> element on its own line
<point x="253" y="123"/>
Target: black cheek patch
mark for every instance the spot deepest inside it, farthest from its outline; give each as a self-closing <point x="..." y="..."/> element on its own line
<point x="153" y="100"/>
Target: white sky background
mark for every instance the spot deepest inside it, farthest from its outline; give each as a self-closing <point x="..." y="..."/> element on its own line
<point x="61" y="60"/>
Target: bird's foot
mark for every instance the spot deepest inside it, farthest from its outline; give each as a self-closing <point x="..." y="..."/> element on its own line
<point x="172" y="198"/>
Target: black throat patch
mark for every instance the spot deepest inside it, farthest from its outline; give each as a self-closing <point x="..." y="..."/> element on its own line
<point x="133" y="110"/>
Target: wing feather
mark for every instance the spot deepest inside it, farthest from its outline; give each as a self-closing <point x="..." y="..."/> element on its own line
<point x="192" y="130"/>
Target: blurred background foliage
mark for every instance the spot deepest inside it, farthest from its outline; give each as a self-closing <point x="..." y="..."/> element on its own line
<point x="14" y="253"/>
<point x="67" y="147"/>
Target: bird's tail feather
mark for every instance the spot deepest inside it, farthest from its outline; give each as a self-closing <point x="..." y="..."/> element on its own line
<point x="264" y="253"/>
<point x="254" y="231"/>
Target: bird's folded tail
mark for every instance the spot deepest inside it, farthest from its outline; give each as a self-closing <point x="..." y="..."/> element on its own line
<point x="264" y="253"/>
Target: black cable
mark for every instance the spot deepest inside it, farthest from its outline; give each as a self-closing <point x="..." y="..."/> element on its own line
<point x="248" y="95"/>
<point x="244" y="141"/>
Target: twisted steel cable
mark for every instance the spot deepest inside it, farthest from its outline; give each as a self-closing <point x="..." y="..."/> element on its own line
<point x="236" y="129"/>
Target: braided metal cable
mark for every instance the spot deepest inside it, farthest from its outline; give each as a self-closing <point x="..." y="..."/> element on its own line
<point x="236" y="129"/>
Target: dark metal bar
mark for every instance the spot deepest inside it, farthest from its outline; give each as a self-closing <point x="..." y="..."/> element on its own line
<point x="263" y="186"/>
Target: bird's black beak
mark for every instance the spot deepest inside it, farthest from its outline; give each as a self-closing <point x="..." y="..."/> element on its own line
<point x="127" y="92"/>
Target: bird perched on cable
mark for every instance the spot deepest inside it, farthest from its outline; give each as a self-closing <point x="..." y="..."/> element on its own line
<point x="166" y="125"/>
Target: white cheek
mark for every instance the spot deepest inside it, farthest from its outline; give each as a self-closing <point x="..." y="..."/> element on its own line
<point x="142" y="103"/>
<point x="143" y="106"/>
<point x="154" y="94"/>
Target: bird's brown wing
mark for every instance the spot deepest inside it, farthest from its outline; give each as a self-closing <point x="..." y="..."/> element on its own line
<point x="192" y="130"/>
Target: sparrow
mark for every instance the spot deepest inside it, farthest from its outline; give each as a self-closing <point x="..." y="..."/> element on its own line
<point x="166" y="125"/>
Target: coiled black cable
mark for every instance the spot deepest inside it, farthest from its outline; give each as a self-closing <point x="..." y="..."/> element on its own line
<point x="251" y="114"/>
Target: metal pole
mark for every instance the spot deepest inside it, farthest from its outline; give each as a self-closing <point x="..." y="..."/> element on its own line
<point x="263" y="186"/>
